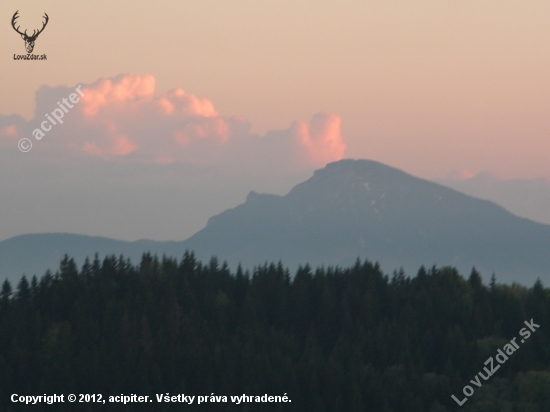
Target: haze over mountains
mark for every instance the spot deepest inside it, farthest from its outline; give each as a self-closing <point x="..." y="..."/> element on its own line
<point x="349" y="209"/>
<point x="528" y="198"/>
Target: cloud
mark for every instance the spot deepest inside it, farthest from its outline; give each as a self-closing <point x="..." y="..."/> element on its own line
<point x="9" y="131"/>
<point x="122" y="119"/>
<point x="323" y="138"/>
<point x="458" y="175"/>
<point x="464" y="175"/>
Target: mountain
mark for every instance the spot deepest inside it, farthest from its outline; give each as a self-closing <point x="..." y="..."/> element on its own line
<point x="363" y="208"/>
<point x="349" y="209"/>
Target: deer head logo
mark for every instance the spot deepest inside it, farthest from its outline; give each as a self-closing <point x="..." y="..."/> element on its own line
<point x="29" y="40"/>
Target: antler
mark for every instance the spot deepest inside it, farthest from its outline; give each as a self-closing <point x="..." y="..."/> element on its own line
<point x="15" y="16"/>
<point x="43" y="26"/>
<point x="34" y="34"/>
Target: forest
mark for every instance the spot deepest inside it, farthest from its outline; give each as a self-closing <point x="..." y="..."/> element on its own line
<point x="330" y="339"/>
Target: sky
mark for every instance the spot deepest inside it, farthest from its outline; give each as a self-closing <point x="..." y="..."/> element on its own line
<point x="189" y="105"/>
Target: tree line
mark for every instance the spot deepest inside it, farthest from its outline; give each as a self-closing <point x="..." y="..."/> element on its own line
<point x="331" y="339"/>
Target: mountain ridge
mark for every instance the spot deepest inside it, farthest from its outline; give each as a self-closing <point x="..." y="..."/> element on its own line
<point x="348" y="209"/>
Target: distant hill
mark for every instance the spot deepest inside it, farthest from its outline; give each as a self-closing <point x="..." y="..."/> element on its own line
<point x="33" y="254"/>
<point x="349" y="209"/>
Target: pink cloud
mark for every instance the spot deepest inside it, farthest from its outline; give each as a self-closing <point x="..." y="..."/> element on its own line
<point x="323" y="138"/>
<point x="120" y="147"/>
<point x="10" y="131"/>
<point x="124" y="118"/>
<point x="178" y="101"/>
<point x="460" y="175"/>
<point x="464" y="175"/>
<point x="12" y="128"/>
<point x="107" y="93"/>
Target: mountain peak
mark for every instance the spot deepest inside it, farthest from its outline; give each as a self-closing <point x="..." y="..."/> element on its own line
<point x="358" y="167"/>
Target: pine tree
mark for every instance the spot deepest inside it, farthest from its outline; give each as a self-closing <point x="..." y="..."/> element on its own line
<point x="6" y="293"/>
<point x="475" y="279"/>
<point x="23" y="289"/>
